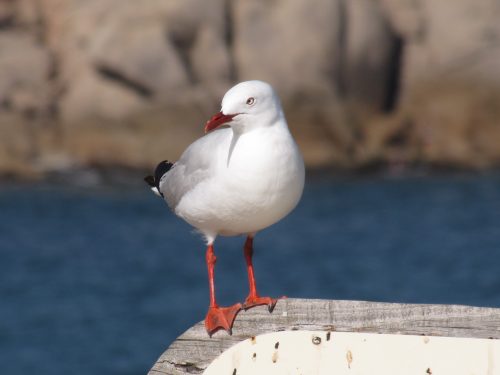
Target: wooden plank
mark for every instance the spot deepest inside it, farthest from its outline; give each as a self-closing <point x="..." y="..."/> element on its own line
<point x="194" y="350"/>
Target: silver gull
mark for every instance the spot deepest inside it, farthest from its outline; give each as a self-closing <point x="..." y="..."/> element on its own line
<point x="244" y="175"/>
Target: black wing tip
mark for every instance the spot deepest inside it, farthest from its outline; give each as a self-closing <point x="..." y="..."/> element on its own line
<point x="162" y="168"/>
<point x="150" y="180"/>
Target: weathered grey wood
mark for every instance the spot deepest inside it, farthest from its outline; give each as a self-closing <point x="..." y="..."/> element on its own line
<point x="194" y="350"/>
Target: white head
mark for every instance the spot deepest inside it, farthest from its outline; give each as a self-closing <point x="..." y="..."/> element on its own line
<point x="247" y="106"/>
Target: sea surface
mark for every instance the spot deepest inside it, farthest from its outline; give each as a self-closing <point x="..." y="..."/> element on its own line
<point x="100" y="280"/>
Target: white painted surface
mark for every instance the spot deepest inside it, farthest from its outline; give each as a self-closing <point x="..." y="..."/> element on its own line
<point x="321" y="353"/>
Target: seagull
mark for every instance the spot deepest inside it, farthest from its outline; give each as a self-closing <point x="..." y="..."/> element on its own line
<point x="245" y="174"/>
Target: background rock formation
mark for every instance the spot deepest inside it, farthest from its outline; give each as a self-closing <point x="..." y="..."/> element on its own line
<point x="364" y="83"/>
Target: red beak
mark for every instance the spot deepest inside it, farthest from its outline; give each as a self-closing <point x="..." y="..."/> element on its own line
<point x="217" y="120"/>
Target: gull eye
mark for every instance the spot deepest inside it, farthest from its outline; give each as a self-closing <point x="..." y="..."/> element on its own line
<point x="250" y="101"/>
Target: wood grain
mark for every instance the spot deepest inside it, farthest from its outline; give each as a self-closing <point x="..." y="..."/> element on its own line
<point x="194" y="350"/>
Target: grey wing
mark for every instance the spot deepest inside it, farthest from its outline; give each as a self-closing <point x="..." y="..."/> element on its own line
<point x="195" y="165"/>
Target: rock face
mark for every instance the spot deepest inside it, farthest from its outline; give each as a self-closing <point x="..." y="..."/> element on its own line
<point x="363" y="82"/>
<point x="121" y="57"/>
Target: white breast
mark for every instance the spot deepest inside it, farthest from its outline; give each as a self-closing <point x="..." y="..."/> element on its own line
<point x="252" y="185"/>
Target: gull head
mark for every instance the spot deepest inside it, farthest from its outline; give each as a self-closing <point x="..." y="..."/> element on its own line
<point x="246" y="106"/>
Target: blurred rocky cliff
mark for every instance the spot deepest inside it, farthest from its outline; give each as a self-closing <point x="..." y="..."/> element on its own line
<point x="364" y="82"/>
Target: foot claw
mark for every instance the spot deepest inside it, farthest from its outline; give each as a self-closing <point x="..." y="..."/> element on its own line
<point x="257" y="301"/>
<point x="221" y="317"/>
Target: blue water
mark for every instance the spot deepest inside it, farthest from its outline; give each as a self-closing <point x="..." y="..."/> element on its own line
<point x="101" y="281"/>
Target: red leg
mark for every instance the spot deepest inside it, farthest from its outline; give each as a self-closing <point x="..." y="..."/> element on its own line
<point x="217" y="317"/>
<point x="253" y="298"/>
